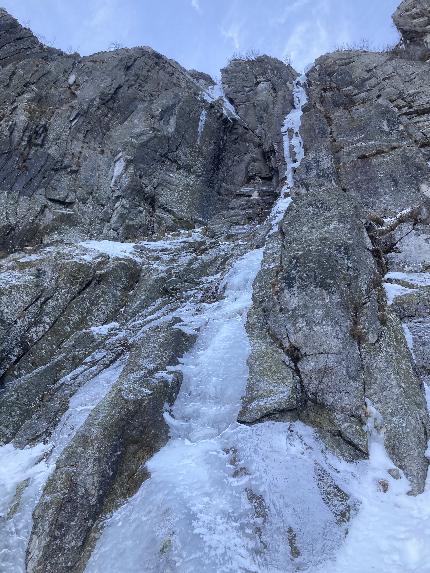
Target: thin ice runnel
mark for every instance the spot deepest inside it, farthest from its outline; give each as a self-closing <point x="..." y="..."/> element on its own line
<point x="292" y="142"/>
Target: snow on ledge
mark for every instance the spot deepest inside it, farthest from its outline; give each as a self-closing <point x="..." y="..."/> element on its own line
<point x="111" y="248"/>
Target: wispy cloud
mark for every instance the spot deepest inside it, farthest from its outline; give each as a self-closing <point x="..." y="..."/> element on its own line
<point x="233" y="33"/>
<point x="196" y="5"/>
<point x="291" y="10"/>
<point x="318" y="33"/>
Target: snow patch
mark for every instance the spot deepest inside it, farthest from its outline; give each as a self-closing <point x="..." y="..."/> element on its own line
<point x="111" y="248"/>
<point x="418" y="279"/>
<point x="393" y="291"/>
<point x="16" y="466"/>
<point x="9" y="278"/>
<point x="104" y="328"/>
<point x="391" y="532"/>
<point x="409" y="339"/>
<point x="74" y="117"/>
<point x="173" y="242"/>
<point x="30" y="258"/>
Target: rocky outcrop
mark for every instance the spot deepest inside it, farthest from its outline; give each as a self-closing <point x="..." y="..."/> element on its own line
<point x="118" y="145"/>
<point x="46" y="331"/>
<point x="18" y="43"/>
<point x="412" y="19"/>
<point x="260" y="89"/>
<point x="330" y="341"/>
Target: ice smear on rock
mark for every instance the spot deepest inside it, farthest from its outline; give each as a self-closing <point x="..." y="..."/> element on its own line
<point x="23" y="472"/>
<point x="393" y="291"/>
<point x="418" y="279"/>
<point x="118" y="169"/>
<point x="201" y="126"/>
<point x="215" y="92"/>
<point x="409" y="339"/>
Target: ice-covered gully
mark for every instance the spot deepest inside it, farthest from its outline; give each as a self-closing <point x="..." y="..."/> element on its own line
<point x="200" y="495"/>
<point x="223" y="496"/>
<point x="228" y="497"/>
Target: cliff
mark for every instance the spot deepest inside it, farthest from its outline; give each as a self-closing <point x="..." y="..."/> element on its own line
<point x="205" y="263"/>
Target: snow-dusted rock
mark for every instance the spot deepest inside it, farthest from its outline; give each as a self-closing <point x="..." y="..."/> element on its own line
<point x="215" y="302"/>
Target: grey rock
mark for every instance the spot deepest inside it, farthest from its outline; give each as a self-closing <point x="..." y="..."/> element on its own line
<point x="412" y="18"/>
<point x="260" y="89"/>
<point x="360" y="209"/>
<point x="109" y="145"/>
<point x="59" y="297"/>
<point x="273" y="387"/>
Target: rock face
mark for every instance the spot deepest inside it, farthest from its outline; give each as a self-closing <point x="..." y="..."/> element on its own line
<point x="258" y="89"/>
<point x="129" y="146"/>
<point x="120" y="144"/>
<point x="412" y="19"/>
<point x="320" y="295"/>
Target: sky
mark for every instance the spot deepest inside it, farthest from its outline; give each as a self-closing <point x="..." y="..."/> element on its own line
<point x="204" y="34"/>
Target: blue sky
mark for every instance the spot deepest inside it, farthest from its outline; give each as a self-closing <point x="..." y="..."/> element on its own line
<point x="203" y="34"/>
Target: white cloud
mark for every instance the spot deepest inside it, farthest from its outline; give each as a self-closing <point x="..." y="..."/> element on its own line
<point x="284" y="15"/>
<point x="196" y="5"/>
<point x="320" y="32"/>
<point x="233" y="33"/>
